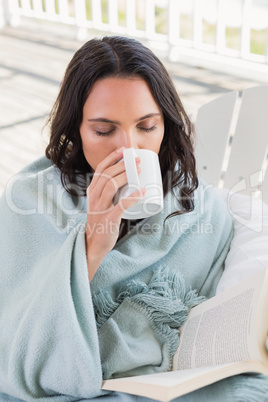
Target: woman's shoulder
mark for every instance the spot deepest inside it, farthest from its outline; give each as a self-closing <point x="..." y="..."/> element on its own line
<point x="40" y="166"/>
<point x="37" y="190"/>
<point x="26" y="187"/>
<point x="206" y="198"/>
<point x="33" y="176"/>
<point x="207" y="195"/>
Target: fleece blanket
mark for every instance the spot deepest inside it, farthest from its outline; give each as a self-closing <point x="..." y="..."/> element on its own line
<point x="61" y="336"/>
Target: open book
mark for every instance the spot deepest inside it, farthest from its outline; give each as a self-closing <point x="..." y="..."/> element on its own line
<point x="223" y="336"/>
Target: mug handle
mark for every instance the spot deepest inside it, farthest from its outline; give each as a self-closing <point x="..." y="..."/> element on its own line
<point x="131" y="168"/>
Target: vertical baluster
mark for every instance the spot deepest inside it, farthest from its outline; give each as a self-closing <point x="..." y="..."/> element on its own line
<point x="63" y="9"/>
<point x="198" y="25"/>
<point x="173" y="29"/>
<point x="26" y="5"/>
<point x="11" y="12"/>
<point x="113" y="14"/>
<point x="245" y="29"/>
<point x="5" y="16"/>
<point x="96" y="13"/>
<point x="3" y="20"/>
<point x="131" y="16"/>
<point x="80" y="18"/>
<point x="11" y="6"/>
<point x="37" y="7"/>
<point x="173" y="22"/>
<point x="220" y="27"/>
<point x="150" y="18"/>
<point x="80" y="12"/>
<point x="50" y="8"/>
<point x="267" y="63"/>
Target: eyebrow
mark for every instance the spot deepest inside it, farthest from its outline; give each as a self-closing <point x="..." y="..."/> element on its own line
<point x="104" y="120"/>
<point x="148" y="115"/>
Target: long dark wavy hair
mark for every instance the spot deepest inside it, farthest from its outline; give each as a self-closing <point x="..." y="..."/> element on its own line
<point x="115" y="56"/>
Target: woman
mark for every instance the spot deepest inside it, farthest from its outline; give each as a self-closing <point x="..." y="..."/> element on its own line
<point x="87" y="295"/>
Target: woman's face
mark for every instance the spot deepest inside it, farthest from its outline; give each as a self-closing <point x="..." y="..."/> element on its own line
<point x="120" y="112"/>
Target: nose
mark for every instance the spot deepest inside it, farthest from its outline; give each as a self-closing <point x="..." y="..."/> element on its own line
<point x="128" y="139"/>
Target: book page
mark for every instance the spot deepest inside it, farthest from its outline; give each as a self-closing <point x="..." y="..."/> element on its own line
<point x="222" y="330"/>
<point x="166" y="386"/>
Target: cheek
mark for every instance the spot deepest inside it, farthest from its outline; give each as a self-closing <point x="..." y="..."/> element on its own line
<point x="90" y="147"/>
<point x="158" y="141"/>
<point x="95" y="148"/>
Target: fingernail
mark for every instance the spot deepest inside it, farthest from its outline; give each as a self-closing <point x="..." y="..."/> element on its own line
<point x="120" y="150"/>
<point x="138" y="159"/>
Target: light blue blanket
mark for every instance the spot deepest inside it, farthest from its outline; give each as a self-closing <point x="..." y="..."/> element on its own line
<point x="60" y="336"/>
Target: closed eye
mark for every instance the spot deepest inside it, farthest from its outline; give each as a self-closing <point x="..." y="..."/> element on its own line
<point x="147" y="130"/>
<point x="104" y="133"/>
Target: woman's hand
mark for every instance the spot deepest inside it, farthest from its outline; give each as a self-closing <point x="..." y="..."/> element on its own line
<point x="103" y="217"/>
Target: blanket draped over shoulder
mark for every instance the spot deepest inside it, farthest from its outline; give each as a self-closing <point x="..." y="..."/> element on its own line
<point x="59" y="335"/>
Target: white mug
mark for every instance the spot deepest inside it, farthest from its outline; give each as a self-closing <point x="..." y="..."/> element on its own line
<point x="150" y="178"/>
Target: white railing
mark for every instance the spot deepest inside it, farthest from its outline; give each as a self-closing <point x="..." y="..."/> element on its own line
<point x="193" y="27"/>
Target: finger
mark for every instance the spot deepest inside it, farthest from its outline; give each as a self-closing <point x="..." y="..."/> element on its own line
<point x="126" y="203"/>
<point x="114" y="171"/>
<point x="107" y="182"/>
<point x="110" y="160"/>
<point x="110" y="189"/>
<point x="113" y="185"/>
<point x="101" y="178"/>
<point x="111" y="180"/>
<point x="100" y="199"/>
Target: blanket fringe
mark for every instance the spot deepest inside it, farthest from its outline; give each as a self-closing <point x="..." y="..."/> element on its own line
<point x="165" y="299"/>
<point x="104" y="307"/>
